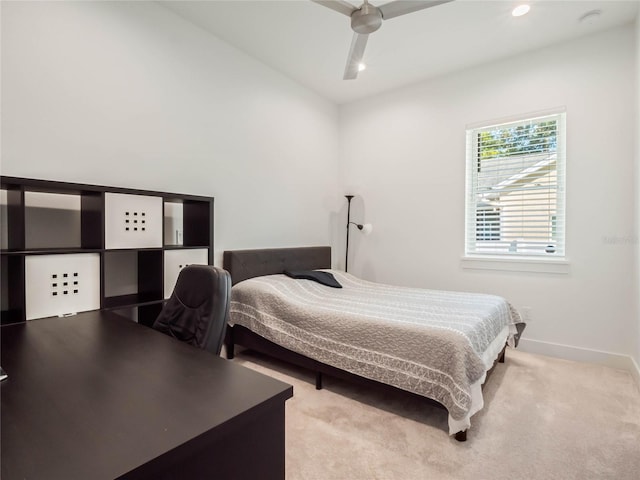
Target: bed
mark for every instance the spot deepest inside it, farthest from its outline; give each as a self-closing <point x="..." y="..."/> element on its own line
<point x="436" y="344"/>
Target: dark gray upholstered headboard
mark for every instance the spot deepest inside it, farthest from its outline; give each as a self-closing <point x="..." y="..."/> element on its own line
<point x="244" y="264"/>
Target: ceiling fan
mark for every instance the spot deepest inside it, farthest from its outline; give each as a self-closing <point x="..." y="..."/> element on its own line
<point x="367" y="19"/>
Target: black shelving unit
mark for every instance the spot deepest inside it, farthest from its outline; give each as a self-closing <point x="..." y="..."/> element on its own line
<point x="33" y="226"/>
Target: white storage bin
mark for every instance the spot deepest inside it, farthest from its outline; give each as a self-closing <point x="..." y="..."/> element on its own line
<point x="176" y="260"/>
<point x="59" y="284"/>
<point x="133" y="221"/>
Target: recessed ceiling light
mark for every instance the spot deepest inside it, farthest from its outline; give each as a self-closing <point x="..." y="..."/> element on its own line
<point x="362" y="66"/>
<point x="520" y="10"/>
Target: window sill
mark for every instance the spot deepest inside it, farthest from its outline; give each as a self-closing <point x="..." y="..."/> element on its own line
<point x="520" y="264"/>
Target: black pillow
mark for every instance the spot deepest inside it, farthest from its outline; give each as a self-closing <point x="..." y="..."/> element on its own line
<point x="325" y="278"/>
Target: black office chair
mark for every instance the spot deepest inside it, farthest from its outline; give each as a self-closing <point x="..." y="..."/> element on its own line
<point x="198" y="308"/>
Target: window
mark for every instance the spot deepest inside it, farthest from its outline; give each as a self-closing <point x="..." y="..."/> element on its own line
<point x="487" y="222"/>
<point x="515" y="188"/>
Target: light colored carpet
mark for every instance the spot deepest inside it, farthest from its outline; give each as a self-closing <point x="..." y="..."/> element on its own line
<point x="544" y="418"/>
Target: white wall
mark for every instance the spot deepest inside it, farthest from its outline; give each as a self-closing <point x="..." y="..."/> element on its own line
<point x="637" y="213"/>
<point x="129" y="94"/>
<point x="404" y="153"/>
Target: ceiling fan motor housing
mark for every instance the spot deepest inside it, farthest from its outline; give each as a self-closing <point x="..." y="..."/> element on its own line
<point x="366" y="20"/>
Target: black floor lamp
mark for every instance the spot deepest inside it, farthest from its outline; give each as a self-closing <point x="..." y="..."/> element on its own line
<point x="366" y="229"/>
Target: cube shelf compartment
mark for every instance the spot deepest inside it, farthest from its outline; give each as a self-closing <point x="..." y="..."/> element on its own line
<point x="52" y="220"/>
<point x="132" y="277"/>
<point x="176" y="260"/>
<point x="124" y="246"/>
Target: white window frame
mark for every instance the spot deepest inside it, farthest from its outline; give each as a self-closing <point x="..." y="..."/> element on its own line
<point x="551" y="261"/>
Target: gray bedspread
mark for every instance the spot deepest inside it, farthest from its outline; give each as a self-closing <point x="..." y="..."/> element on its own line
<point x="434" y="343"/>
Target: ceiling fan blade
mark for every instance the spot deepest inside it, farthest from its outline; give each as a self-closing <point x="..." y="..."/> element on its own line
<point x="339" y="6"/>
<point x="402" y="7"/>
<point x="356" y="52"/>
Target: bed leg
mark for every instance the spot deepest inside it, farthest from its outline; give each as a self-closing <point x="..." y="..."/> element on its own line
<point x="318" y="381"/>
<point x="229" y="345"/>
<point x="230" y="351"/>
<point x="502" y="354"/>
<point x="461" y="436"/>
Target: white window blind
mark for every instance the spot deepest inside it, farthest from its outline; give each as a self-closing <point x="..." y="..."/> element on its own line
<point x="515" y="188"/>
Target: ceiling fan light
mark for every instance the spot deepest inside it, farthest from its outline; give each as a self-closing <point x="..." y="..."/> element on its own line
<point x="362" y="66"/>
<point x="367" y="19"/>
<point x="520" y="10"/>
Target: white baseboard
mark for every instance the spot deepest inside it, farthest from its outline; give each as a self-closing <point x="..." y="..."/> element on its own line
<point x="635" y="372"/>
<point x="567" y="352"/>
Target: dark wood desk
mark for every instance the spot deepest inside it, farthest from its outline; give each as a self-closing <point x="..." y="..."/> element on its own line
<point x="96" y="396"/>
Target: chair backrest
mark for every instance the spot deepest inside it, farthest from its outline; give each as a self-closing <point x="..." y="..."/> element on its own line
<point x="198" y="308"/>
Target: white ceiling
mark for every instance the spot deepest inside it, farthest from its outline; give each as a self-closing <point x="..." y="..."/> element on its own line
<point x="309" y="42"/>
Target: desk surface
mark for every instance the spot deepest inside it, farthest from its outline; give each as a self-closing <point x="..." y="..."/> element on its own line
<point x="97" y="396"/>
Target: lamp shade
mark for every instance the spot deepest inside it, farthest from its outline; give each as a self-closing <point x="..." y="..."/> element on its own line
<point x="367" y="228"/>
